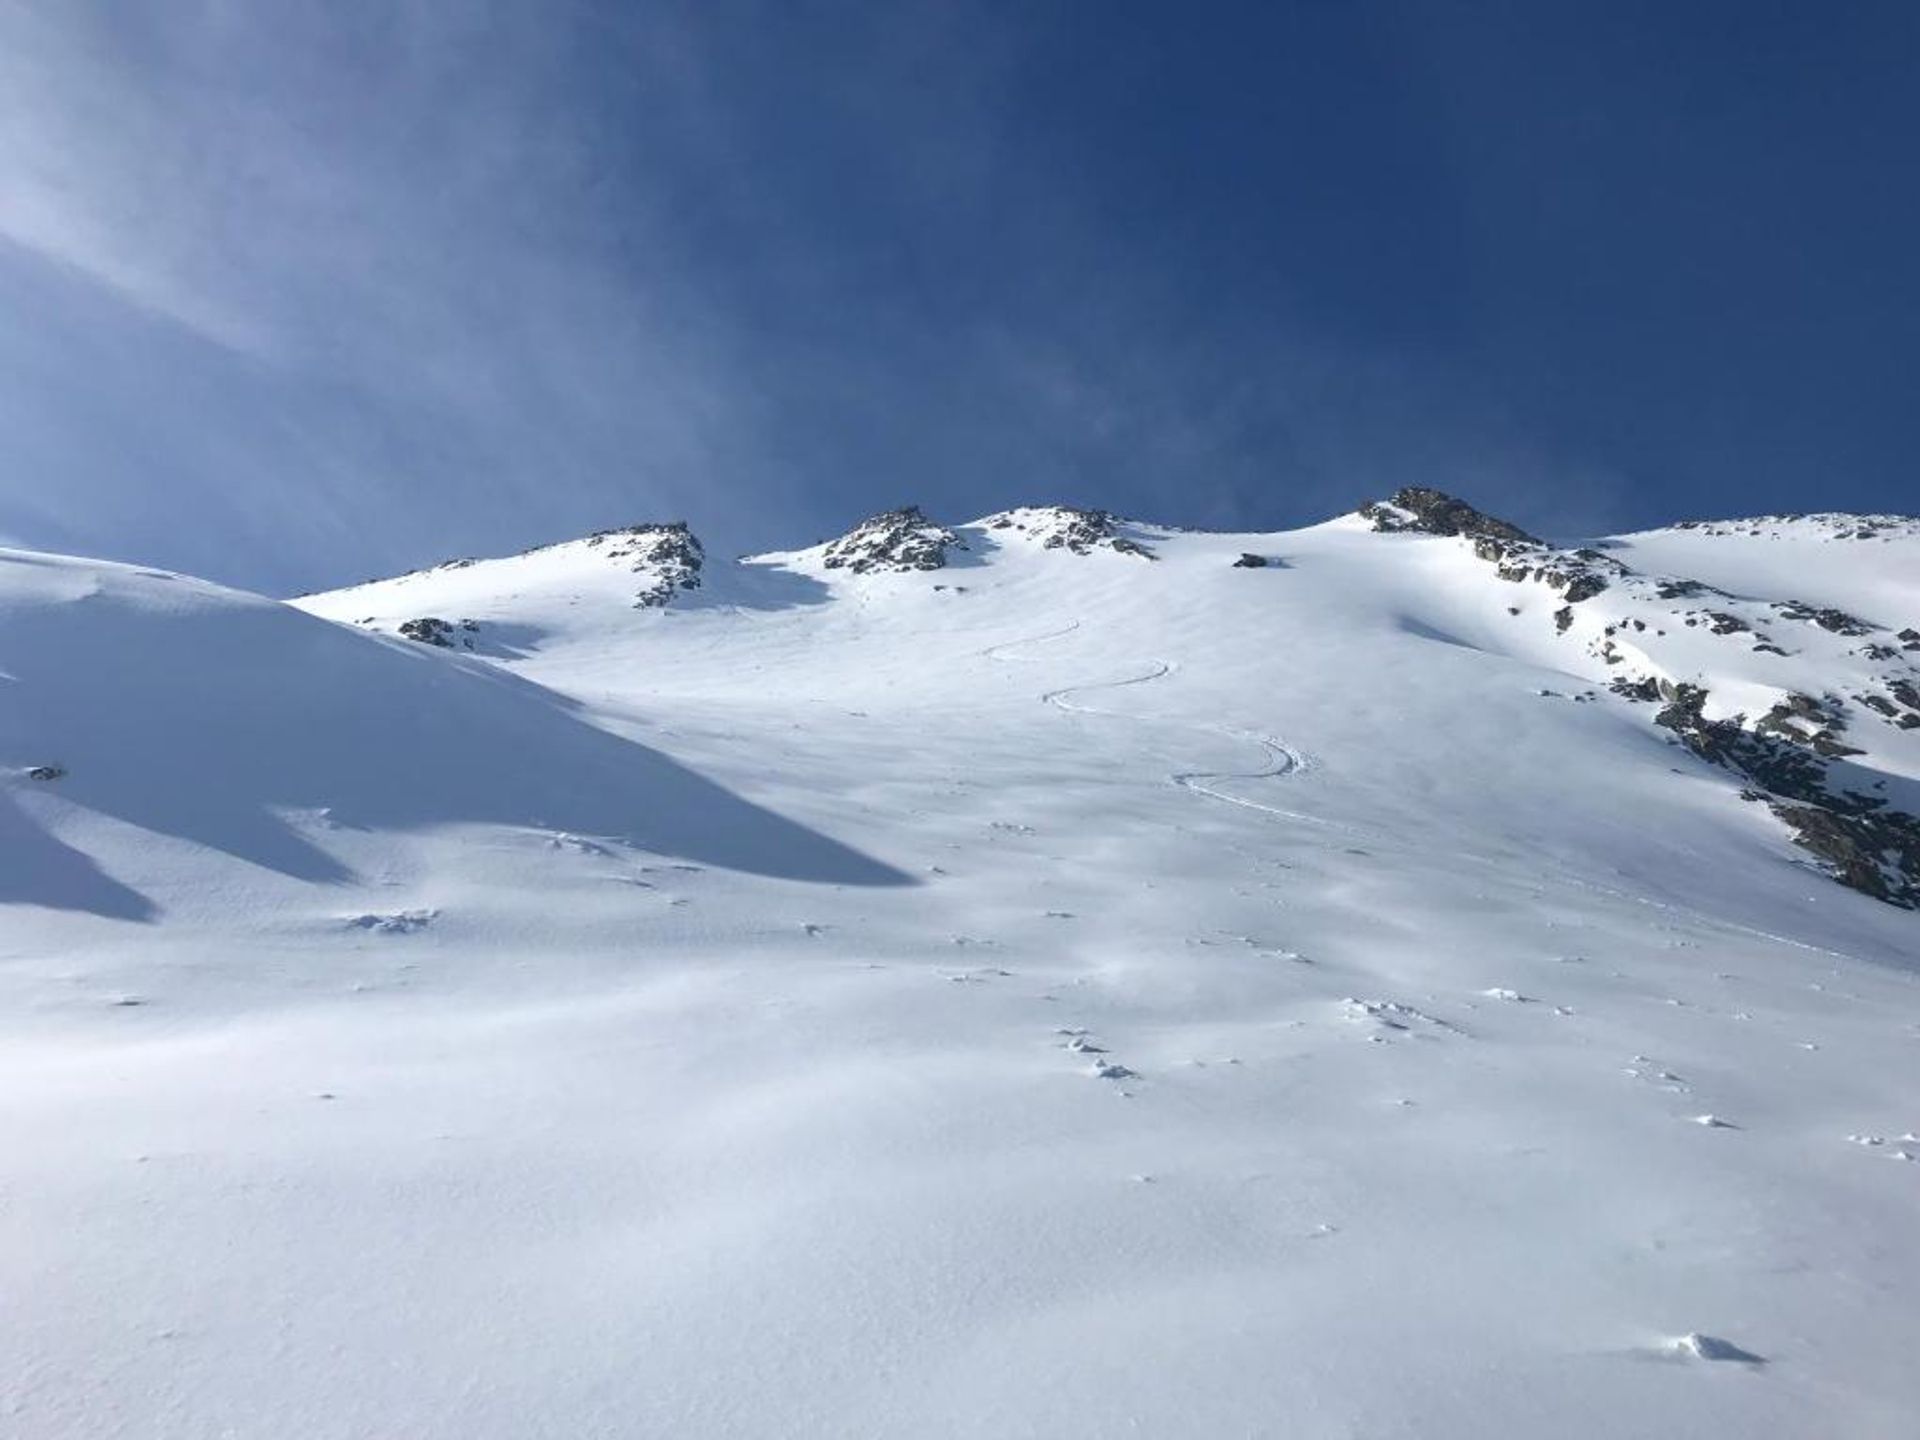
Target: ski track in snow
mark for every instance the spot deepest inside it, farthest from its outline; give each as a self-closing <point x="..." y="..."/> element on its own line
<point x="1284" y="760"/>
<point x="1281" y="759"/>
<point x="1700" y="917"/>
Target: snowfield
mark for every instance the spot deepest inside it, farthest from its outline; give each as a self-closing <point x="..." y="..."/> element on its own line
<point x="1072" y="987"/>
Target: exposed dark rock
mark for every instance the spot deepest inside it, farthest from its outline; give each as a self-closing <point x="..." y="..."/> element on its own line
<point x="902" y="539"/>
<point x="1645" y="689"/>
<point x="1516" y="556"/>
<point x="1864" y="844"/>
<point x="1574" y="577"/>
<point x="1786" y="716"/>
<point x="1877" y="853"/>
<point x="1563" y="619"/>
<point x="1880" y="704"/>
<point x="1825" y="744"/>
<point x="1063" y="527"/>
<point x="1906" y="692"/>
<point x="1434" y="512"/>
<point x="1781" y="767"/>
<point x="1724" y="624"/>
<point x="1250" y="562"/>
<point x="432" y="630"/>
<point x="47" y="772"/>
<point x="670" y="551"/>
<point x="1838" y="621"/>
<point x="1909" y="639"/>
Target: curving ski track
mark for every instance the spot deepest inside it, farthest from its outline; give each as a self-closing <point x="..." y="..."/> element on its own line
<point x="1281" y="759"/>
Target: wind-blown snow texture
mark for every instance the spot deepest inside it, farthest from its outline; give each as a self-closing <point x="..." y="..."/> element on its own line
<point x="1080" y="985"/>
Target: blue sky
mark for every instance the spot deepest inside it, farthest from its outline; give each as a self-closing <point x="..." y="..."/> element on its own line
<point x="296" y="294"/>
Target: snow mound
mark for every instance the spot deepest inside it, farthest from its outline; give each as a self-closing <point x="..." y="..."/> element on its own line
<point x="503" y="606"/>
<point x="1696" y="1346"/>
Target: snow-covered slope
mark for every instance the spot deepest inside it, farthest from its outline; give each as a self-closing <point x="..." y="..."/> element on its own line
<point x="1862" y="563"/>
<point x="1000" y="979"/>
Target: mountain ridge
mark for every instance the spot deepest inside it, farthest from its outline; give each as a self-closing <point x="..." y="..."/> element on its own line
<point x="1786" y="730"/>
<point x="1048" y="991"/>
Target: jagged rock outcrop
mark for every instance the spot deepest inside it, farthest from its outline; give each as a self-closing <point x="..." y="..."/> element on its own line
<point x="1062" y="527"/>
<point x="1787" y="754"/>
<point x="1827" y="618"/>
<point x="1875" y="852"/>
<point x="1575" y="575"/>
<point x="670" y="551"/>
<point x="1803" y="720"/>
<point x="1861" y="840"/>
<point x="1434" y="512"/>
<point x="897" y="540"/>
<point x="432" y="630"/>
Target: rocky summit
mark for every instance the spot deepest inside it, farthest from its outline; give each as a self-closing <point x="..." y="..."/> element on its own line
<point x="1062" y="527"/>
<point x="902" y="539"/>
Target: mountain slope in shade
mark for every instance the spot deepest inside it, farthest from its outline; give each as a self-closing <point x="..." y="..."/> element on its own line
<point x="1093" y="985"/>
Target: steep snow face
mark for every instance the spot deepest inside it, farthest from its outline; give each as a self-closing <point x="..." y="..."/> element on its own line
<point x="1048" y="992"/>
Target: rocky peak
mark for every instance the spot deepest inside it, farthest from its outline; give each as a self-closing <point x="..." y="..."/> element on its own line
<point x="669" y="552"/>
<point x="1063" y="527"/>
<point x="1517" y="556"/>
<point x="1434" y="512"/>
<point x="894" y="540"/>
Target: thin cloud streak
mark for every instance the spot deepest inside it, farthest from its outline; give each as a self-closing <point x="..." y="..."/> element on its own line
<point x="303" y="294"/>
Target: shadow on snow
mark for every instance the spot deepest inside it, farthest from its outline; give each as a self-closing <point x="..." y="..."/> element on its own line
<point x="203" y="722"/>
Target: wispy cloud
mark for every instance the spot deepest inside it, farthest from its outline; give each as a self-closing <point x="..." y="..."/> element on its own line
<point x="298" y="293"/>
<point x="381" y="240"/>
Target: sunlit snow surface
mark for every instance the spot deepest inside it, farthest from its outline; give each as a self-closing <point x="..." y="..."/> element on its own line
<point x="1054" y="994"/>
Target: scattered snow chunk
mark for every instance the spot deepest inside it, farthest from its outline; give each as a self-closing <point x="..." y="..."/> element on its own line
<point x="1696" y="1346"/>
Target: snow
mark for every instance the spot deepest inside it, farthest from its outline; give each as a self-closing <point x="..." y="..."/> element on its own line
<point x="1050" y="993"/>
<point x="1862" y="564"/>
